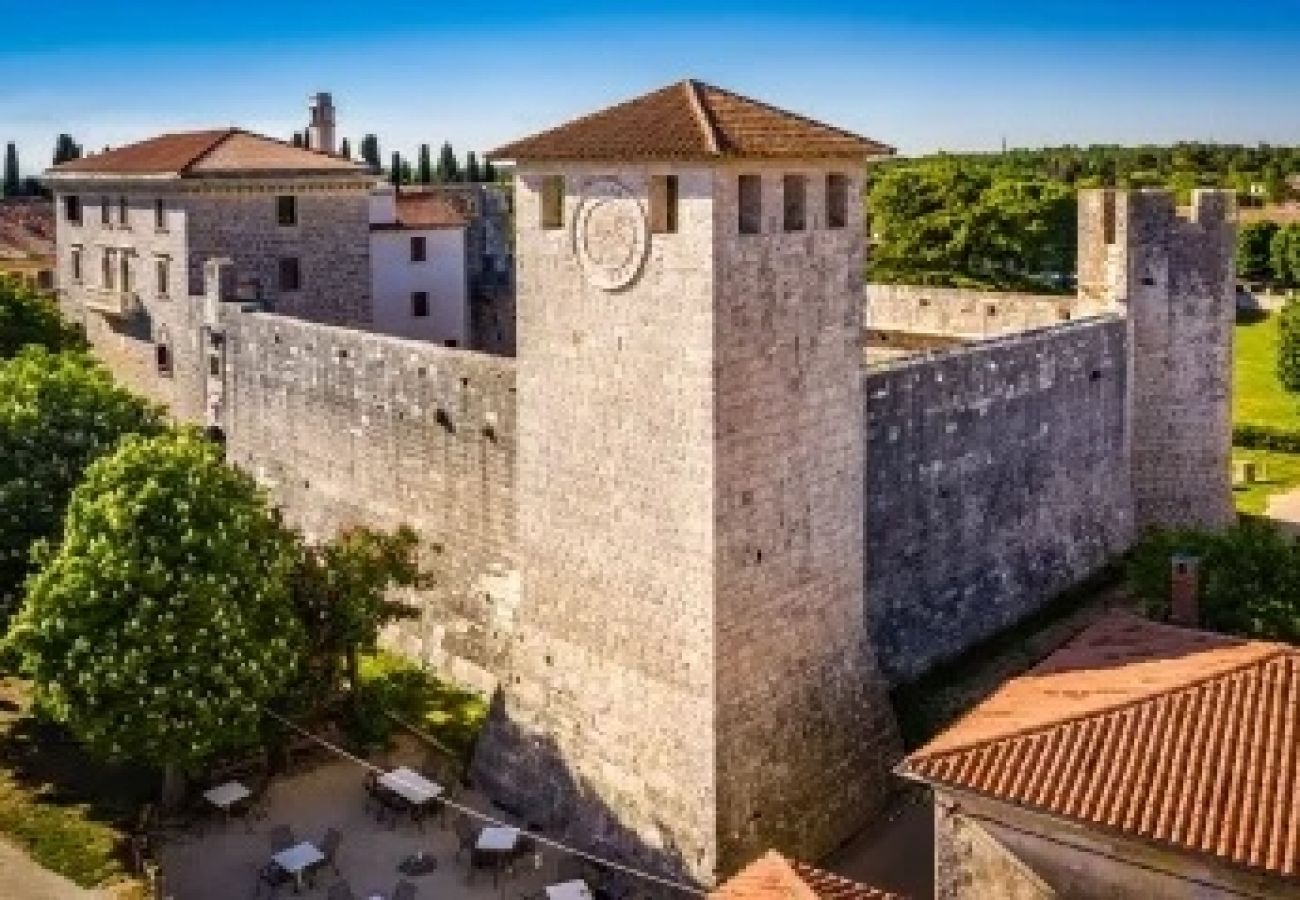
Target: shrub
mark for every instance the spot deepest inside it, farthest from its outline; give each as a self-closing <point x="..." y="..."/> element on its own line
<point x="29" y="319"/>
<point x="1266" y="437"/>
<point x="1288" y="346"/>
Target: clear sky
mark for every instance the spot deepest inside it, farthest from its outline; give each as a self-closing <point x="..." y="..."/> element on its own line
<point x="925" y="75"/>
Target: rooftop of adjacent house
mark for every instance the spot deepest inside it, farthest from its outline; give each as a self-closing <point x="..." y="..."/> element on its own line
<point x="214" y="153"/>
<point x="26" y="228"/>
<point x="691" y="120"/>
<point x="1167" y="734"/>
<point x="423" y="212"/>
<point x="773" y="877"/>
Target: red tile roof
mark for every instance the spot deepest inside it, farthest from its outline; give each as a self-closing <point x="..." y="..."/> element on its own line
<point x="773" y="877"/>
<point x="421" y="212"/>
<point x="227" y="151"/>
<point x="1180" y="737"/>
<point x="26" y="228"/>
<point x="691" y="120"/>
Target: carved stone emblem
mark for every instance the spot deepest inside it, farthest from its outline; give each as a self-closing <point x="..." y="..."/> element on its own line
<point x="610" y="234"/>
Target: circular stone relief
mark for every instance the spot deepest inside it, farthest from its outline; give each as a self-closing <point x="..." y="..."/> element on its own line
<point x="610" y="235"/>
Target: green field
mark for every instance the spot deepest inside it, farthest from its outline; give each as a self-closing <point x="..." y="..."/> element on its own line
<point x="1258" y="399"/>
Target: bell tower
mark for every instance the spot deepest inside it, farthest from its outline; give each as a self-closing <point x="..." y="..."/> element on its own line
<point x="692" y="682"/>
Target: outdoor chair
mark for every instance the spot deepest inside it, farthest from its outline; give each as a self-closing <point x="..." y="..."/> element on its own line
<point x="466" y="835"/>
<point x="281" y="837"/>
<point x="405" y="890"/>
<point x="373" y="792"/>
<point x="329" y="848"/>
<point x="340" y="890"/>
<point x="271" y="878"/>
<point x="571" y="868"/>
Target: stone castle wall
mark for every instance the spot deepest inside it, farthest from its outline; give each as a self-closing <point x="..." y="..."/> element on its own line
<point x="347" y="428"/>
<point x="960" y="312"/>
<point x="997" y="475"/>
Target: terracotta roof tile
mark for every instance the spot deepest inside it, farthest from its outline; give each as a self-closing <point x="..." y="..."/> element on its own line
<point x="691" y="120"/>
<point x="417" y="211"/>
<point x="1176" y="736"/>
<point x="26" y="228"/>
<point x="227" y="151"/>
<point x="773" y="877"/>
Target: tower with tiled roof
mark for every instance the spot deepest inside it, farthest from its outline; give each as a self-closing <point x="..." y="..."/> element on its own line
<point x="692" y="680"/>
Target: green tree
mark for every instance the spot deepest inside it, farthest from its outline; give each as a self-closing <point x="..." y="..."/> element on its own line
<point x="66" y="149"/>
<point x="489" y="171"/>
<point x="1288" y="346"/>
<point x="1254" y="251"/>
<point x="13" y="180"/>
<point x="370" y="153"/>
<point x="163" y="623"/>
<point x="448" y="168"/>
<point x="59" y="412"/>
<point x="472" y="172"/>
<point x="395" y="171"/>
<point x="1284" y="253"/>
<point x="424" y="168"/>
<point x="341" y="594"/>
<point x="1249" y="578"/>
<point x="345" y="150"/>
<point x="28" y="318"/>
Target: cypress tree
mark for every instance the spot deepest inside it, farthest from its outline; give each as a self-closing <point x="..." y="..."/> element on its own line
<point x="13" y="183"/>
<point x="489" y="171"/>
<point x="448" y="166"/>
<point x="395" y="173"/>
<point x="297" y="139"/>
<point x="346" y="149"/>
<point x="66" y="149"/>
<point x="370" y="153"/>
<point x="472" y="172"/>
<point x="425" y="167"/>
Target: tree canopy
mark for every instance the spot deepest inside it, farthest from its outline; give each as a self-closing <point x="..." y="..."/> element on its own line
<point x="162" y="623"/>
<point x="59" y="412"/>
<point x="28" y="318"/>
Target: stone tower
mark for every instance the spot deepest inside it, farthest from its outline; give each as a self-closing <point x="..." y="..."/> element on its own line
<point x="1173" y="276"/>
<point x="320" y="123"/>
<point x="692" y="682"/>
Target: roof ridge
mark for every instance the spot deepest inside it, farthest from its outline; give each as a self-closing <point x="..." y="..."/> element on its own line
<point x="223" y="136"/>
<point x="712" y="137"/>
<point x="1276" y="651"/>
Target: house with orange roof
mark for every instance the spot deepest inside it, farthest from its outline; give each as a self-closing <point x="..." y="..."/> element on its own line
<point x="774" y="877"/>
<point x="27" y="241"/>
<point x="1139" y="760"/>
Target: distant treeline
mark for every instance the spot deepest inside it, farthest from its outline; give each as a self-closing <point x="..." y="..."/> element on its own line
<point x="1006" y="220"/>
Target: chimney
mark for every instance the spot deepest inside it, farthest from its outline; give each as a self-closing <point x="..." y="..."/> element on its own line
<point x="320" y="126"/>
<point x="1184" y="590"/>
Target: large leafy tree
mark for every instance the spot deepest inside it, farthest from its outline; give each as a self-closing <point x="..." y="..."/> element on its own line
<point x="163" y="623"/>
<point x="1254" y="246"/>
<point x="1284" y="254"/>
<point x="59" y="412"/>
<point x="27" y="317"/>
<point x="341" y="590"/>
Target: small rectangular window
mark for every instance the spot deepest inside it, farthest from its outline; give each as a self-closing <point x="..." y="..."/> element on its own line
<point x="72" y="209"/>
<point x="105" y="211"/>
<point x="286" y="209"/>
<point x="162" y="270"/>
<point x="553" y="201"/>
<point x="837" y="200"/>
<point x="159" y="215"/>
<point x="108" y="270"/>
<point x="290" y="274"/>
<point x="419" y="249"/>
<point x="420" y="304"/>
<point x="74" y="263"/>
<point x="663" y="204"/>
<point x="121" y="212"/>
<point x="126" y="272"/>
<point x="749" y="206"/>
<point x="163" y="359"/>
<point x="794" y="190"/>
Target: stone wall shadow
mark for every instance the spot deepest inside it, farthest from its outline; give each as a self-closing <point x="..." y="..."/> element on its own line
<point x="525" y="774"/>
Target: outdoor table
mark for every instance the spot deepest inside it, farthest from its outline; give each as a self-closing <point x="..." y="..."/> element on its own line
<point x="411" y="786"/>
<point x="569" y="890"/>
<point x="497" y="839"/>
<point x="225" y="796"/>
<point x="298" y="859"/>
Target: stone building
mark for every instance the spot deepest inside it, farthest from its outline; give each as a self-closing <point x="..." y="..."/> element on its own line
<point x="1140" y="760"/>
<point x="685" y="538"/>
<point x="27" y="241"/>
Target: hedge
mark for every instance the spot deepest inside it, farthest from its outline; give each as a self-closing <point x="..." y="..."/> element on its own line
<point x="1266" y="437"/>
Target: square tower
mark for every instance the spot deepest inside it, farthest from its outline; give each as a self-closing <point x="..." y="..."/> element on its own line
<point x="692" y="682"/>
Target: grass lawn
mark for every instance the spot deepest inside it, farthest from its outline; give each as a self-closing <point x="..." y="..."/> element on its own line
<point x="446" y="713"/>
<point x="1258" y="399"/>
<point x="69" y="812"/>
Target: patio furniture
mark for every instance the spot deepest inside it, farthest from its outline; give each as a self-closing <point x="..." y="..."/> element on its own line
<point x="466" y="836"/>
<point x="299" y="860"/>
<point x="228" y="799"/>
<point x="272" y="878"/>
<point x="373" y="792"/>
<point x="420" y="795"/>
<point x="575" y="889"/>
<point x="404" y="891"/>
<point x="494" y="849"/>
<point x="329" y="848"/>
<point x="281" y="838"/>
<point x="340" y="890"/>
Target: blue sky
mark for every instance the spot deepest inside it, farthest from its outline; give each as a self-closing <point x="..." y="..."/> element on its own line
<point x="944" y="74"/>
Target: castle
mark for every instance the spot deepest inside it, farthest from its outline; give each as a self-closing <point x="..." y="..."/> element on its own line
<point x="686" y="537"/>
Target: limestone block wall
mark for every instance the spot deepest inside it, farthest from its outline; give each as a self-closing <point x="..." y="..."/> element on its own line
<point x="965" y="313"/>
<point x="804" y="732"/>
<point x="347" y="428"/>
<point x="331" y="241"/>
<point x="988" y="850"/>
<point x="997" y="475"/>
